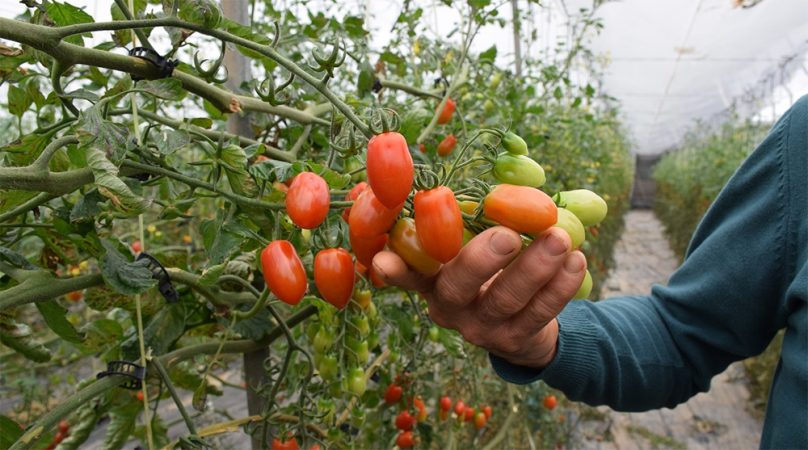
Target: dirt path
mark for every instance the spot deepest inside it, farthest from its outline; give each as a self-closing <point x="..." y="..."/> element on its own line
<point x="717" y="419"/>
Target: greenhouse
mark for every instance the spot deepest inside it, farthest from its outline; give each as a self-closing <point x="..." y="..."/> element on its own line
<point x="251" y="224"/>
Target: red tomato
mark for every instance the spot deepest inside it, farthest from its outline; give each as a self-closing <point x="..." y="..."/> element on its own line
<point x="550" y="402"/>
<point x="404" y="241"/>
<point x="460" y="408"/>
<point x="422" y="148"/>
<point x="360" y="268"/>
<point x="64" y="426"/>
<point x="480" y="420"/>
<point x="75" y="296"/>
<point x="487" y="411"/>
<point x="447" y="145"/>
<point x="468" y="414"/>
<point x="446" y="114"/>
<point x="290" y="444"/>
<point x="393" y="394"/>
<point x="137" y="247"/>
<point x="352" y="195"/>
<point x="139" y="396"/>
<point x="389" y="168"/>
<point x="419" y="404"/>
<point x="284" y="272"/>
<point x="308" y="200"/>
<point x="439" y="223"/>
<point x="334" y="275"/>
<point x="445" y="403"/>
<point x="375" y="280"/>
<point x="369" y="217"/>
<point x="365" y="248"/>
<point x="405" y="440"/>
<point x="59" y="437"/>
<point x="405" y="421"/>
<point x="521" y="208"/>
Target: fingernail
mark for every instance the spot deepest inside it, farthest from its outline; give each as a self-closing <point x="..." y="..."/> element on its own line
<point x="554" y="244"/>
<point x="574" y="263"/>
<point x="502" y="244"/>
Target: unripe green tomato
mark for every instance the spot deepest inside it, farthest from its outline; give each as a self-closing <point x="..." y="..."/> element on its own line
<point x="356" y="381"/>
<point x="361" y="325"/>
<point x="393" y="357"/>
<point x="489" y="106"/>
<point x="514" y="143"/>
<point x="311" y="330"/>
<point x="373" y="340"/>
<point x="570" y="223"/>
<point x="328" y="368"/>
<point x="586" y="287"/>
<point x="372" y="313"/>
<point x="587" y="205"/>
<point x="353" y="163"/>
<point x="495" y="79"/>
<point x="323" y="340"/>
<point x="200" y="12"/>
<point x="358" y="351"/>
<point x="519" y="170"/>
<point x="434" y="333"/>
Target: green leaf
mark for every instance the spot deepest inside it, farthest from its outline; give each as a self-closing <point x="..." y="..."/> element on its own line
<point x="219" y="243"/>
<point x="121" y="425"/>
<point x="164" y="88"/>
<point x="10" y="431"/>
<point x="453" y="342"/>
<point x="100" y="334"/>
<point x="15" y="259"/>
<point x="109" y="137"/>
<point x="56" y="318"/>
<point x="558" y="93"/>
<point x="34" y="91"/>
<point x="87" y="207"/>
<point x="202" y="122"/>
<point x="162" y="331"/>
<point x="235" y="166"/>
<point x="125" y="277"/>
<point x="168" y="140"/>
<point x="112" y="187"/>
<point x="364" y="83"/>
<point x="63" y="14"/>
<point x="211" y="275"/>
<point x="489" y="55"/>
<point x="85" y="421"/>
<point x="18" y="100"/>
<point x="18" y="337"/>
<point x="355" y="27"/>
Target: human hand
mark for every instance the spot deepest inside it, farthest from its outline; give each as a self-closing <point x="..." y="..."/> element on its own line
<point x="497" y="297"/>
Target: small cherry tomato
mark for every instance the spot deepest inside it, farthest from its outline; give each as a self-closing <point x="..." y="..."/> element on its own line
<point x="434" y="333"/>
<point x="64" y="426"/>
<point x="460" y="408"/>
<point x="480" y="419"/>
<point x="521" y="208"/>
<point x="550" y="402"/>
<point x="75" y="296"/>
<point x="405" y="421"/>
<point x="586" y="287"/>
<point x="288" y="444"/>
<point x="405" y="243"/>
<point x="393" y="394"/>
<point x="353" y="194"/>
<point x="405" y="440"/>
<point x="328" y="367"/>
<point x="570" y="223"/>
<point x="487" y="411"/>
<point x="390" y="169"/>
<point x="334" y="275"/>
<point x="308" y="200"/>
<point x="139" y="396"/>
<point x="588" y="206"/>
<point x="468" y="414"/>
<point x="365" y="248"/>
<point x="439" y="223"/>
<point x="447" y="145"/>
<point x="137" y="247"/>
<point x="422" y="148"/>
<point x="446" y="113"/>
<point x="59" y="437"/>
<point x="514" y="144"/>
<point x="445" y="403"/>
<point x="356" y="381"/>
<point x="369" y="217"/>
<point x="419" y="404"/>
<point x="443" y="415"/>
<point x="284" y="272"/>
<point x="520" y="170"/>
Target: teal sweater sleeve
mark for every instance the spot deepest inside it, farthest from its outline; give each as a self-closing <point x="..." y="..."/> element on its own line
<point x="745" y="277"/>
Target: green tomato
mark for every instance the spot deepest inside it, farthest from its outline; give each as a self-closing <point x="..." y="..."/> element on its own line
<point x="352" y="164"/>
<point x="200" y="12"/>
<point x="495" y="79"/>
<point x="587" y="205"/>
<point x="360" y="324"/>
<point x="489" y="106"/>
<point x="514" y="143"/>
<point x="373" y="340"/>
<point x="434" y="333"/>
<point x="519" y="170"/>
<point x="570" y="223"/>
<point x="323" y="340"/>
<point x="586" y="287"/>
<point x="328" y="368"/>
<point x="356" y="381"/>
<point x="358" y="351"/>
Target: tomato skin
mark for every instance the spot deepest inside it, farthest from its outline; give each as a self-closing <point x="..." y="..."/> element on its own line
<point x="284" y="272"/>
<point x="334" y="276"/>
<point x="520" y="170"/>
<point x="447" y="145"/>
<point x="480" y="419"/>
<point x="353" y="194"/>
<point x="390" y="169"/>
<point x="419" y="404"/>
<point x="487" y="411"/>
<point x="439" y="223"/>
<point x="460" y="408"/>
<point x="365" y="248"/>
<point x="75" y="296"/>
<point x="570" y="223"/>
<point x="588" y="206"/>
<point x="468" y="414"/>
<point x="308" y="200"/>
<point x="405" y="421"/>
<point x="405" y="440"/>
<point x="405" y="243"/>
<point x="520" y="208"/>
<point x="369" y="217"/>
<point x="446" y="113"/>
<point x="550" y="402"/>
<point x="64" y="426"/>
<point x="328" y="367"/>
<point x="363" y="298"/>
<point x="137" y="247"/>
<point x="586" y="287"/>
<point x="393" y="394"/>
<point x="445" y="403"/>
<point x="514" y="144"/>
<point x="139" y="396"/>
<point x="290" y="444"/>
<point x="356" y="381"/>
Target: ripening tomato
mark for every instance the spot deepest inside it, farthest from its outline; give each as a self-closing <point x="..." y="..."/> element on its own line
<point x="550" y="402"/>
<point x="369" y="217"/>
<point x="586" y="287"/>
<point x="460" y="408"/>
<point x="570" y="223"/>
<point x="405" y="440"/>
<point x="363" y="298"/>
<point x="443" y="415"/>
<point x="446" y="113"/>
<point x="389" y="167"/>
<point x="404" y="241"/>
<point x="366" y="248"/>
<point x="261" y="158"/>
<point x="328" y="367"/>
<point x="137" y="247"/>
<point x="487" y="411"/>
<point x="468" y="414"/>
<point x="334" y="275"/>
<point x="290" y="444"/>
<point x="405" y="421"/>
<point x="468" y="206"/>
<point x="439" y="223"/>
<point x="445" y="403"/>
<point x="140" y="396"/>
<point x="520" y="170"/>
<point x="521" y="208"/>
<point x="75" y="296"/>
<point x="308" y="200"/>
<point x="280" y="186"/>
<point x="588" y="206"/>
<point x="419" y="404"/>
<point x="353" y="194"/>
<point x="480" y="419"/>
<point x="422" y="148"/>
<point x="447" y="145"/>
<point x="393" y="394"/>
<point x="284" y="272"/>
<point x="514" y="144"/>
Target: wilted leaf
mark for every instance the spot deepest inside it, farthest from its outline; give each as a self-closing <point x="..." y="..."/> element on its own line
<point x="125" y="277"/>
<point x="112" y="187"/>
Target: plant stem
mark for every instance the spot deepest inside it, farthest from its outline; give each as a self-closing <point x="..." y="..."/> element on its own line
<point x="174" y="395"/>
<point x="410" y="89"/>
<point x="23" y="208"/>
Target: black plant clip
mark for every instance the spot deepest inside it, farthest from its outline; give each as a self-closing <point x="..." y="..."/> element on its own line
<point x="136" y="373"/>
<point x="163" y="280"/>
<point x="165" y="65"/>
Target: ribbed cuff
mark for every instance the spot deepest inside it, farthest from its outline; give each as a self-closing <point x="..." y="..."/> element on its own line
<point x="574" y="362"/>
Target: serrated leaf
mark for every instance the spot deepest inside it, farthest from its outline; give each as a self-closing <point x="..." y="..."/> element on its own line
<point x="255" y="327"/>
<point x="165" y="88"/>
<point x="235" y="166"/>
<point x="63" y="14"/>
<point x="125" y="277"/>
<point x="112" y="187"/>
<point x="15" y="259"/>
<point x="109" y="137"/>
<point x="56" y="318"/>
<point x="489" y="55"/>
<point x="10" y="431"/>
<point x="219" y="243"/>
<point x="87" y="207"/>
<point x="18" y="100"/>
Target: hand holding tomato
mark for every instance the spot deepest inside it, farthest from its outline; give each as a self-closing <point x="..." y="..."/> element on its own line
<point x="499" y="298"/>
